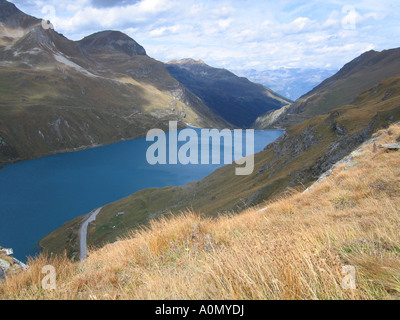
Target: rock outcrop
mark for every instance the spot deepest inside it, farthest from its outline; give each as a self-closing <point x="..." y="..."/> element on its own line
<point x="9" y="264"/>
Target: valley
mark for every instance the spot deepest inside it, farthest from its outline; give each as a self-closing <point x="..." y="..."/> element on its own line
<point x="295" y="249"/>
<point x="59" y="95"/>
<point x="174" y="178"/>
<point x="38" y="196"/>
<point x="295" y="160"/>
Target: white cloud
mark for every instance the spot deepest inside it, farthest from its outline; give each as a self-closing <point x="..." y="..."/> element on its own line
<point x="298" y="25"/>
<point x="151" y="6"/>
<point x="238" y="34"/>
<point x="165" y="30"/>
<point x="223" y="11"/>
<point x="224" y="23"/>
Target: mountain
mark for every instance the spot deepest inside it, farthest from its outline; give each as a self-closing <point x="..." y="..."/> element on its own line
<point x="14" y="19"/>
<point x="112" y="41"/>
<point x="304" y="245"/>
<point x="297" y="159"/>
<point x="236" y="99"/>
<point x="362" y="73"/>
<point x="58" y="95"/>
<point x="288" y="82"/>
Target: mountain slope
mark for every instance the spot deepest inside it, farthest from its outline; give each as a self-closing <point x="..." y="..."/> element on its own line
<point x="297" y="158"/>
<point x="294" y="249"/>
<point x="58" y="95"/>
<point x="364" y="72"/>
<point x="236" y="99"/>
<point x="12" y="18"/>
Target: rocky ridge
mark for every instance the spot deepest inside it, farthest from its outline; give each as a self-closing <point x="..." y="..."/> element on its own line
<point x="9" y="264"/>
<point x="60" y="95"/>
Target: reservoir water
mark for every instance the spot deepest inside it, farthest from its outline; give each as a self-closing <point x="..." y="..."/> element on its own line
<point x="38" y="196"/>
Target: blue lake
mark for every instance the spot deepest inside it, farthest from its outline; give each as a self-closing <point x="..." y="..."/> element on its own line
<point x="38" y="196"/>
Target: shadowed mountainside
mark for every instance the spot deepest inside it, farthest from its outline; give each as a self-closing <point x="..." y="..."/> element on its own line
<point x="234" y="98"/>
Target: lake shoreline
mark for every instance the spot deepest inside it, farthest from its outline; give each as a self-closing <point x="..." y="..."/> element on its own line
<point x="86" y="147"/>
<point x="40" y="195"/>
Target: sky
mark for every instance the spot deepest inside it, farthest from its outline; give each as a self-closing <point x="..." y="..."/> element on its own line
<point x="235" y="34"/>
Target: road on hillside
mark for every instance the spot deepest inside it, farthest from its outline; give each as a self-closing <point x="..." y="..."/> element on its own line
<point x="83" y="233"/>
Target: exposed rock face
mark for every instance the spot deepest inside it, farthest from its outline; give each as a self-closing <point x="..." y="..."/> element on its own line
<point x="349" y="158"/>
<point x="9" y="264"/>
<point x="391" y="147"/>
<point x="286" y="144"/>
<point x="268" y="120"/>
<point x="291" y="147"/>
<point x="4" y="266"/>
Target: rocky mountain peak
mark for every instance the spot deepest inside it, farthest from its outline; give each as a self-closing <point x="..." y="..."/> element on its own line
<point x="39" y="35"/>
<point x="114" y="40"/>
<point x="7" y="9"/>
<point x="12" y="17"/>
<point x="199" y="68"/>
<point x="187" y="61"/>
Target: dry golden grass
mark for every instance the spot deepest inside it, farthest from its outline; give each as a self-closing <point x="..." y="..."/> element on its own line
<point x="295" y="249"/>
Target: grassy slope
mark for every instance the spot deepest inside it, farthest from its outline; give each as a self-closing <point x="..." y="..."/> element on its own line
<point x="66" y="116"/>
<point x="297" y="159"/>
<point x="111" y="98"/>
<point x="359" y="75"/>
<point x="294" y="249"/>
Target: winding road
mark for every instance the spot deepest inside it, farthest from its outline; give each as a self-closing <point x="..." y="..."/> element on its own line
<point x="83" y="233"/>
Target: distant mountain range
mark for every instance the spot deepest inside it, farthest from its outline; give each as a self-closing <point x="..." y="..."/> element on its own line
<point x="288" y="82"/>
<point x="60" y="95"/>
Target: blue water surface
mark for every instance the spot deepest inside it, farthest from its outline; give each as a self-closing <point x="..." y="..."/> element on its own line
<point x="38" y="196"/>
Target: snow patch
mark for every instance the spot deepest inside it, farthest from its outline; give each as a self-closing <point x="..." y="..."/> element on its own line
<point x="34" y="51"/>
<point x="60" y="58"/>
